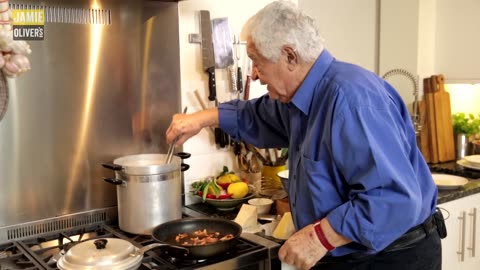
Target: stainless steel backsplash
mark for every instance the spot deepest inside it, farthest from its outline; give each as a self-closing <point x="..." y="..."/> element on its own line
<point x="75" y="108"/>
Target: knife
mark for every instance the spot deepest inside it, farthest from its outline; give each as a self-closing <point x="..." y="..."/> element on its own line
<point x="208" y="58"/>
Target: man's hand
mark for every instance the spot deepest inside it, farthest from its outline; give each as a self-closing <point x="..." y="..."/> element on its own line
<point x="302" y="249"/>
<point x="184" y="126"/>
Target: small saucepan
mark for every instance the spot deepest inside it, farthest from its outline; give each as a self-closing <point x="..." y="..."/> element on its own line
<point x="167" y="232"/>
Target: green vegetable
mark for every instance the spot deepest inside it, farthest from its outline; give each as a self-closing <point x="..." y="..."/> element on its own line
<point x="225" y="172"/>
<point x="203" y="187"/>
<point x="463" y="124"/>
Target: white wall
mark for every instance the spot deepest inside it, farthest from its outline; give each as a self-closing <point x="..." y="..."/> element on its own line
<point x="457" y="40"/>
<point x="348" y="27"/>
<point x="206" y="158"/>
<point x="399" y="33"/>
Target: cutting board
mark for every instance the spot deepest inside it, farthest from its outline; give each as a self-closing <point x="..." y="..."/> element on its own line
<point x="430" y="119"/>
<point x="443" y="120"/>
<point x="423" y="142"/>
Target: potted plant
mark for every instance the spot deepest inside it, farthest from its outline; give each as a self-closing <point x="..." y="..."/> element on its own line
<point x="465" y="127"/>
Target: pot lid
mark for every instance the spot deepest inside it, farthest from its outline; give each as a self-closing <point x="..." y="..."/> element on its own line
<point x="99" y="254"/>
<point x="148" y="164"/>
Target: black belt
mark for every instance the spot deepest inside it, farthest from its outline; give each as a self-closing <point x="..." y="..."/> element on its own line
<point x="413" y="235"/>
<point x="407" y="240"/>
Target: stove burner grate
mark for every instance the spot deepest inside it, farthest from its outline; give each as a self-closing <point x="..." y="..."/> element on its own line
<point x="12" y="256"/>
<point x="43" y="251"/>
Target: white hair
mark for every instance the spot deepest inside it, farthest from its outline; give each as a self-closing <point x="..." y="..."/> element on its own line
<point x="281" y="23"/>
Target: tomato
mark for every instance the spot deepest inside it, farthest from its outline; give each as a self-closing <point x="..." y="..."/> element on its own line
<point x="224" y="185"/>
<point x="220" y="197"/>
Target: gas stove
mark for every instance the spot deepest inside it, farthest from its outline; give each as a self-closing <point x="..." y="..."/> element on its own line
<point x="42" y="251"/>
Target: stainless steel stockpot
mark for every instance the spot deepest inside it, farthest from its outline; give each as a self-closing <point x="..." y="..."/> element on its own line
<point x="149" y="191"/>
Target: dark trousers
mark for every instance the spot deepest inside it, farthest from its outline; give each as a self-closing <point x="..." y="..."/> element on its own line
<point x="425" y="254"/>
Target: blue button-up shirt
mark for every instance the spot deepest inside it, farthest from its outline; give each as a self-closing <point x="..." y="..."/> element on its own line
<point x="353" y="156"/>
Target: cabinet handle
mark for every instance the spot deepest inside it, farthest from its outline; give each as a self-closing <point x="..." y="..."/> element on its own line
<point x="474" y="230"/>
<point x="462" y="239"/>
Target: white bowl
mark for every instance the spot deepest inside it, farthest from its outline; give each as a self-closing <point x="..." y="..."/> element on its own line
<point x="283" y="174"/>
<point x="263" y="205"/>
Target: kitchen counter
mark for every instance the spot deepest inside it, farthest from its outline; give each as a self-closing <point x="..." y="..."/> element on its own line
<point x="472" y="187"/>
<point x="452" y="168"/>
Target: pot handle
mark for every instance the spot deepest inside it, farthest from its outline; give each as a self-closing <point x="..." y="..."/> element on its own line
<point x="146" y="248"/>
<point x="112" y="166"/>
<point x="183" y="155"/>
<point x="184" y="167"/>
<point x="113" y="181"/>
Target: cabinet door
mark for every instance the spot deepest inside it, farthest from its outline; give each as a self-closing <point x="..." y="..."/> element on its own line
<point x="461" y="247"/>
<point x="452" y="244"/>
<point x="472" y="237"/>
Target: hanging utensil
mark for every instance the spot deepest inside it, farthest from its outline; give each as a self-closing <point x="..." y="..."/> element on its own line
<point x="246" y="92"/>
<point x="172" y="146"/>
<point x="239" y="76"/>
<point x="208" y="58"/>
<point x="222" y="43"/>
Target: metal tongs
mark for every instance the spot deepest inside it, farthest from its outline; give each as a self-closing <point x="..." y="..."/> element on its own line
<point x="171" y="148"/>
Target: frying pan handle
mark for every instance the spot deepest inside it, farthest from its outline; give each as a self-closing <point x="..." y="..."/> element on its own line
<point x="184" y="167"/>
<point x="113" y="181"/>
<point x="111" y="166"/>
<point x="146" y="248"/>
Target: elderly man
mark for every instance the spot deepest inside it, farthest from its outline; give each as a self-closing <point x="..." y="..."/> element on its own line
<point x="361" y="194"/>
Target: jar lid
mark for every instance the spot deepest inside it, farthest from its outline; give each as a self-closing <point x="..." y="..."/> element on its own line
<point x="99" y="254"/>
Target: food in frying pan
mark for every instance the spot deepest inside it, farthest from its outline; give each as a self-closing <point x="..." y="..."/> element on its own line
<point x="201" y="238"/>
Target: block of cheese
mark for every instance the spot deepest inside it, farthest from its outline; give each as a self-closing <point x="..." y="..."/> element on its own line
<point x="285" y="227"/>
<point x="247" y="217"/>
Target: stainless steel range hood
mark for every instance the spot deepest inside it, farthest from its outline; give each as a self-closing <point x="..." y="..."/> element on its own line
<point x="74" y="109"/>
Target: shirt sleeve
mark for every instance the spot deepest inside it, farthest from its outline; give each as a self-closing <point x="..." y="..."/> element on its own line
<point x="371" y="151"/>
<point x="262" y="122"/>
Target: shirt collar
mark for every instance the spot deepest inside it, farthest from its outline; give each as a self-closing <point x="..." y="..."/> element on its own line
<point x="304" y="95"/>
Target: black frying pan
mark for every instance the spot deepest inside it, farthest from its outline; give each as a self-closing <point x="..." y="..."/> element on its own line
<point x="166" y="233"/>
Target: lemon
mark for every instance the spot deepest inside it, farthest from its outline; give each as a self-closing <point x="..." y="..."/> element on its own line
<point x="228" y="178"/>
<point x="238" y="190"/>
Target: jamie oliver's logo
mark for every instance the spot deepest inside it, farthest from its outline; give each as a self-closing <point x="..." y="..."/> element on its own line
<point x="28" y="24"/>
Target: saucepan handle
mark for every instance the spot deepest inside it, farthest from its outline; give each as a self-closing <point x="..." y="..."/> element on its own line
<point x="112" y="166"/>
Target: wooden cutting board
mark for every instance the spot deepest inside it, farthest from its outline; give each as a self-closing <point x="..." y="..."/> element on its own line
<point x="423" y="142"/>
<point x="443" y="120"/>
<point x="430" y="119"/>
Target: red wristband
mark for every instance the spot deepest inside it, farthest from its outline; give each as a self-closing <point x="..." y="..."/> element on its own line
<point x="322" y="238"/>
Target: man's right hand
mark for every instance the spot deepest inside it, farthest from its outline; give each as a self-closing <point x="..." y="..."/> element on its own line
<point x="184" y="126"/>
